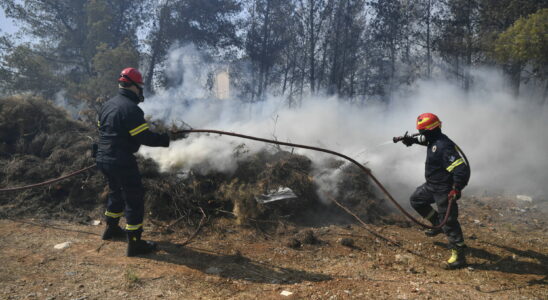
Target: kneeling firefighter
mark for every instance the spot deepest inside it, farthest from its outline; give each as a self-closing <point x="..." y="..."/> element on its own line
<point x="122" y="130"/>
<point x="447" y="173"/>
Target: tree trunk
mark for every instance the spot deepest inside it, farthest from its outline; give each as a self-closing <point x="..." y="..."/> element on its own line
<point x="264" y="52"/>
<point x="293" y="69"/>
<point x="428" y="54"/>
<point x="155" y="50"/>
<point x="286" y="73"/>
<point x="332" y="89"/>
<point x="312" y="49"/>
<point x="514" y="73"/>
<point x="467" y="79"/>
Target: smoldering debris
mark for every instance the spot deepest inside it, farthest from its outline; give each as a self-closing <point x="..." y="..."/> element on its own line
<point x="282" y="193"/>
<point x="294" y="243"/>
<point x="44" y="142"/>
<point x="305" y="237"/>
<point x="347" y="242"/>
<point x="310" y="238"/>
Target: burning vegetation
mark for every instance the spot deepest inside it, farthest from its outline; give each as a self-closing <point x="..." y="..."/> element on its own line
<point x="41" y="141"/>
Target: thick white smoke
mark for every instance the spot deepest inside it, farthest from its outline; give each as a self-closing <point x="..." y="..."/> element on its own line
<point x="503" y="137"/>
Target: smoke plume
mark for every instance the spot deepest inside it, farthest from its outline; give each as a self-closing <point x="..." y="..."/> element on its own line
<point x="503" y="136"/>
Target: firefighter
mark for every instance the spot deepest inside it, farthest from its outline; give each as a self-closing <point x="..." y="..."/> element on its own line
<point x="122" y="130"/>
<point x="447" y="173"/>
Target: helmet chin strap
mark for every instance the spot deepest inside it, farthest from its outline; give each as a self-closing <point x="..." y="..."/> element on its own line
<point x="428" y="135"/>
<point x="140" y="95"/>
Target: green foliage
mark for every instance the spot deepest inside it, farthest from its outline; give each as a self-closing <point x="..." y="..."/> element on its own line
<point x="266" y="37"/>
<point x="458" y="40"/>
<point x="497" y="15"/>
<point x="27" y="70"/>
<point x="526" y="41"/>
<point x="99" y="24"/>
<point x="75" y="43"/>
<point x="106" y="66"/>
<point x="358" y="49"/>
<point x="207" y="24"/>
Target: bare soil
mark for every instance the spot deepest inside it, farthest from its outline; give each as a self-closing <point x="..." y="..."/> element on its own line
<point x="245" y="250"/>
<point x="507" y="239"/>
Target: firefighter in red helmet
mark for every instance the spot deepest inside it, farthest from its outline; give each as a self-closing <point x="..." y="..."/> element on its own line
<point x="122" y="130"/>
<point x="447" y="172"/>
<point x="131" y="78"/>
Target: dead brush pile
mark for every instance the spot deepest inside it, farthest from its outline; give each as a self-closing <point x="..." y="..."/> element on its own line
<point x="181" y="196"/>
<point x="239" y="194"/>
<point x="41" y="142"/>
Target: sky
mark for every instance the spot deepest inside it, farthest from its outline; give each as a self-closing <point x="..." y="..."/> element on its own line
<point x="6" y="25"/>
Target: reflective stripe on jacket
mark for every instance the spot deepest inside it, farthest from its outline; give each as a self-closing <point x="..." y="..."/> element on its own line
<point x="446" y="164"/>
<point x="123" y="129"/>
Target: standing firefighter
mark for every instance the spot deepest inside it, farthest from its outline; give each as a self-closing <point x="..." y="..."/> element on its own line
<point x="447" y="173"/>
<point x="122" y="130"/>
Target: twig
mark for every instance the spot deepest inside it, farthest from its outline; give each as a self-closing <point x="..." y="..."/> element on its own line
<point x="202" y="221"/>
<point x="250" y="219"/>
<point x="155" y="223"/>
<point x="376" y="234"/>
<point x="226" y="212"/>
<point x="168" y="227"/>
<point x="100" y="246"/>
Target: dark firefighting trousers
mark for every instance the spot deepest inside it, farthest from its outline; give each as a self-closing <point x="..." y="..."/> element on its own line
<point x="126" y="192"/>
<point x="421" y="201"/>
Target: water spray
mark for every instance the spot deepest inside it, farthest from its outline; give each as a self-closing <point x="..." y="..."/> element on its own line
<point x="367" y="171"/>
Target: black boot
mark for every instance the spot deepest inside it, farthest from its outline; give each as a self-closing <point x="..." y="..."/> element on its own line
<point x="136" y="246"/>
<point x="434" y="219"/>
<point x="458" y="258"/>
<point x="113" y="230"/>
<point x="433" y="232"/>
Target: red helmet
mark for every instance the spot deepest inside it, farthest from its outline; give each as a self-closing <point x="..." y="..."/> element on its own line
<point x="131" y="75"/>
<point x="428" y="121"/>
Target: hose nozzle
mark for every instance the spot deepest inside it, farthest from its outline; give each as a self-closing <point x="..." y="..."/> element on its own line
<point x="397" y="139"/>
<point x="406" y="135"/>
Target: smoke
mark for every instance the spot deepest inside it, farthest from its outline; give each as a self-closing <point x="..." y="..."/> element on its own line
<point x="503" y="137"/>
<point x="71" y="107"/>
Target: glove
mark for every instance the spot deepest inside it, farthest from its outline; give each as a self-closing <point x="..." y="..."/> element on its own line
<point x="454" y="194"/>
<point x="177" y="135"/>
<point x="408" y="140"/>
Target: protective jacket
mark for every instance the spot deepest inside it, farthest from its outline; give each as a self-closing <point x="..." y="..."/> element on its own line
<point x="123" y="129"/>
<point x="446" y="165"/>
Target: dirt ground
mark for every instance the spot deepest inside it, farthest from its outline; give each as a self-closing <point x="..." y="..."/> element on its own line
<point x="507" y="239"/>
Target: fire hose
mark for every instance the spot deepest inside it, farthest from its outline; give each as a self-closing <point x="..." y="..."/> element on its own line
<point x="47" y="181"/>
<point x="367" y="171"/>
<point x="377" y="182"/>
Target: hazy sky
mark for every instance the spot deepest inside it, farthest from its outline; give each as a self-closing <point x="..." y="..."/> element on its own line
<point x="5" y="24"/>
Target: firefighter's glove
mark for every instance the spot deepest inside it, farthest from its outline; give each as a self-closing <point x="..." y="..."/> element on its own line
<point x="177" y="135"/>
<point x="408" y="140"/>
<point x="454" y="194"/>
